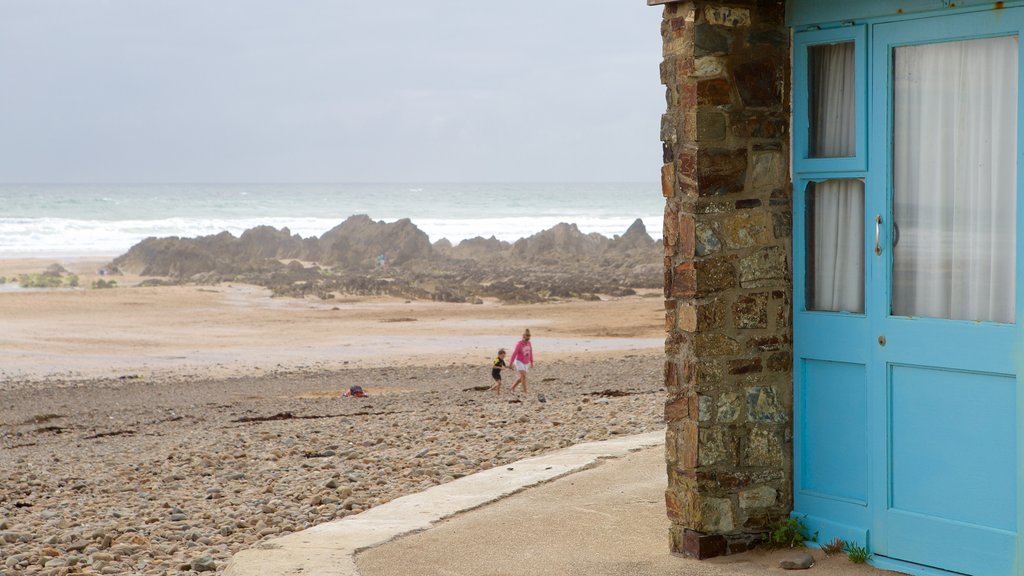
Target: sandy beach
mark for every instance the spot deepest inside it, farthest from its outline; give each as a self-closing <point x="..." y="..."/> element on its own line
<point x="159" y="430"/>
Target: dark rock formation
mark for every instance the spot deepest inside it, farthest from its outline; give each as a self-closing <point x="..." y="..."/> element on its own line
<point x="561" y="262"/>
<point x="358" y="241"/>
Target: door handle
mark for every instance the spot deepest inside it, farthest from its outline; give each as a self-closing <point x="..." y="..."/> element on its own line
<point x="878" y="231"/>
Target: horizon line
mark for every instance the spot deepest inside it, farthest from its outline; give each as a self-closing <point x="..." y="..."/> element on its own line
<point x="311" y="183"/>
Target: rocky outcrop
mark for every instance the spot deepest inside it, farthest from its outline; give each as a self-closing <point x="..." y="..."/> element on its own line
<point x="561" y="262"/>
<point x="358" y="241"/>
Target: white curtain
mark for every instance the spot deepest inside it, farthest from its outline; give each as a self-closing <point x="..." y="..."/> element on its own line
<point x="838" y="246"/>
<point x="954" y="180"/>
<point x="837" y="253"/>
<point x="833" y="100"/>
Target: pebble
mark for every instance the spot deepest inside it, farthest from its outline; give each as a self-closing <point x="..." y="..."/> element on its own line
<point x="204" y="564"/>
<point x="205" y="486"/>
<point x="798" y="561"/>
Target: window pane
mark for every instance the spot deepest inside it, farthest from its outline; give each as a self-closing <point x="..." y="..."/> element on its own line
<point x="955" y="180"/>
<point x="833" y="100"/>
<point x="835" y="246"/>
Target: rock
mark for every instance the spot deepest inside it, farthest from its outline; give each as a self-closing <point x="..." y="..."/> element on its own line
<point x="798" y="561"/>
<point x="78" y="545"/>
<point x="204" y="564"/>
<point x="358" y="241"/>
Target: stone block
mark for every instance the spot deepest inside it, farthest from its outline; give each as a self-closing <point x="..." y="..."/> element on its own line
<point x="782" y="225"/>
<point x="672" y="380"/>
<point x="716" y="447"/>
<point x="684" y="281"/>
<point x="714" y="275"/>
<point x="767" y="267"/>
<point x="710" y="126"/>
<point x="690" y="123"/>
<point x="668" y="180"/>
<point x="728" y="407"/>
<point x="688" y="445"/>
<point x="703" y="546"/>
<point x="721" y="171"/>
<point x="717" y="480"/>
<point x="712" y="344"/>
<point x="710" y="314"/>
<point x="712" y="206"/>
<point x="704" y="408"/>
<point x="768" y="170"/>
<point x="716" y="515"/>
<point x="709" y="40"/>
<point x="760" y="497"/>
<point x="684" y="66"/>
<point x="685" y="318"/>
<point x="688" y="95"/>
<point x="714" y="92"/>
<point x="744" y="366"/>
<point x="748" y="203"/>
<point x="675" y="343"/>
<point x="758" y="124"/>
<point x="684" y="407"/>
<point x="746" y="229"/>
<point x="670" y="225"/>
<point x="768" y="343"/>
<point x="709" y="67"/>
<point x="763" y="405"/>
<point x="764" y="446"/>
<point x="707" y="243"/>
<point x="780" y="362"/>
<point x="759" y="82"/>
<point x="726" y="16"/>
<point x="680" y="505"/>
<point x="750" y="311"/>
<point x="686" y="244"/>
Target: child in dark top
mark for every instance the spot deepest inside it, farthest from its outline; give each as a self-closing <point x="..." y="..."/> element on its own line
<point x="496" y="368"/>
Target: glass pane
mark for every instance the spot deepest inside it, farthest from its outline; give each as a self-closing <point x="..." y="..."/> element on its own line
<point x="833" y="100"/>
<point x="835" y="246"/>
<point x="955" y="180"/>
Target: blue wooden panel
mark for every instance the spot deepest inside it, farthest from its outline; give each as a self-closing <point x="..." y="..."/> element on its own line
<point x="802" y="42"/>
<point x="953" y="447"/>
<point x="810" y="12"/>
<point x="833" y="437"/>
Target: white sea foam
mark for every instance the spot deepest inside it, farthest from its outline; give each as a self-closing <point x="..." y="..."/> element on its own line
<point x="101" y="219"/>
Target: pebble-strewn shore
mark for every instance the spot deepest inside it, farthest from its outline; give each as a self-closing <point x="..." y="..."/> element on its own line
<point x="131" y="477"/>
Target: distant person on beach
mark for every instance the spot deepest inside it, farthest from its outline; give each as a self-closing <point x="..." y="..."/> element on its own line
<point x="496" y="367"/>
<point x="522" y="360"/>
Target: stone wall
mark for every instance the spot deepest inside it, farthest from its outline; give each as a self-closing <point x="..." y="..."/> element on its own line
<point x="728" y="285"/>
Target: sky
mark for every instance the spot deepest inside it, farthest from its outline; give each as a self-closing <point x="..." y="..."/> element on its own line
<point x="329" y="91"/>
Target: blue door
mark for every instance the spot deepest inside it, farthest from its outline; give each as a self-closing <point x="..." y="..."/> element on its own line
<point x="907" y="175"/>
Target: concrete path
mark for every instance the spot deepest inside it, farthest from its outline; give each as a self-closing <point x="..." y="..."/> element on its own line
<point x="602" y="515"/>
<point x="329" y="549"/>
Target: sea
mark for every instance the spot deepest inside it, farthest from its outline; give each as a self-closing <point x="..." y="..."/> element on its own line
<point x="105" y="220"/>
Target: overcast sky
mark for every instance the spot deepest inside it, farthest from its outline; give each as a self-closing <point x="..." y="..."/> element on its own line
<point x="329" y="90"/>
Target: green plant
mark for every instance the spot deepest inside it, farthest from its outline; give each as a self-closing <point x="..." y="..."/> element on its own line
<point x="857" y="554"/>
<point x="836" y="546"/>
<point x="99" y="284"/>
<point x="790" y="533"/>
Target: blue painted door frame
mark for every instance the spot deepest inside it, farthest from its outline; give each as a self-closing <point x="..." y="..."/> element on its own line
<point x="911" y="447"/>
